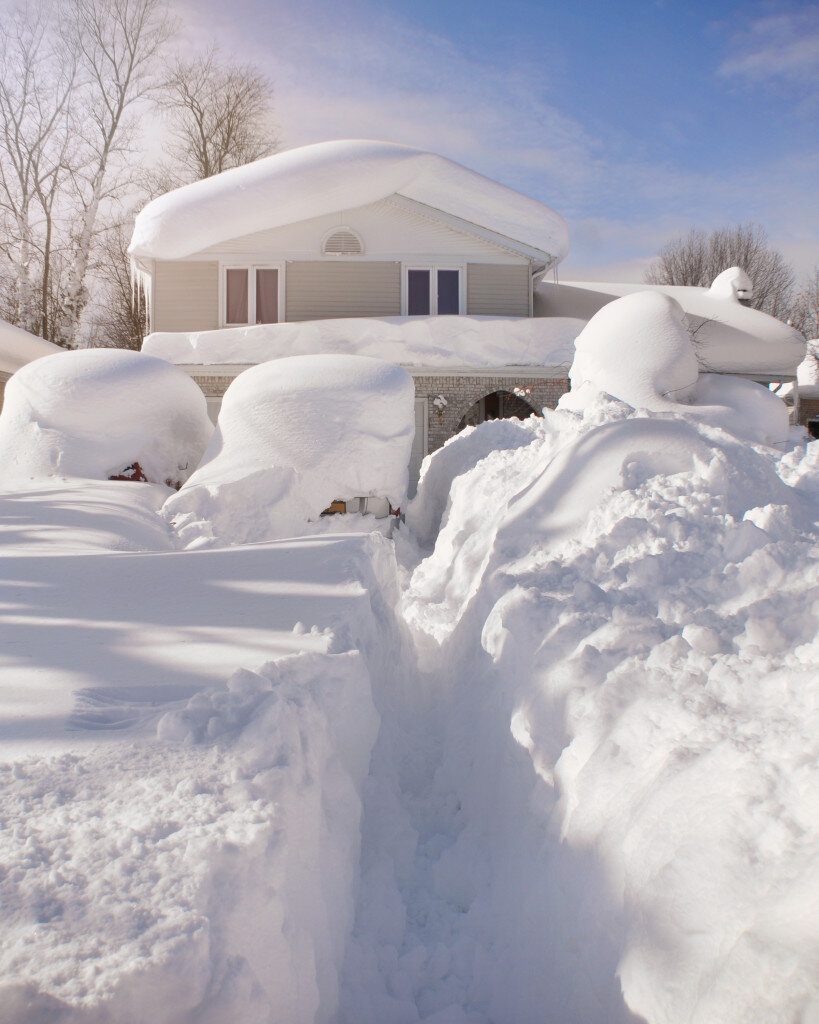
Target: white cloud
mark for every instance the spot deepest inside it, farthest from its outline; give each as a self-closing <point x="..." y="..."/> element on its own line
<point x="781" y="46"/>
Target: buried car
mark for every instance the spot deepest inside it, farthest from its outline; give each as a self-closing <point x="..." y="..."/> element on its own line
<point x="297" y="437"/>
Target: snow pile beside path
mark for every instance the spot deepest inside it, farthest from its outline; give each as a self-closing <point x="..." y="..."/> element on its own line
<point x="167" y="883"/>
<point x="631" y="602"/>
<point x="94" y="413"/>
<point x="436" y="341"/>
<point x="639" y="350"/>
<point x="294" y="435"/>
<point x="18" y="347"/>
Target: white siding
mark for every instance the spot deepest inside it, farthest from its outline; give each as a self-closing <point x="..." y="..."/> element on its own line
<point x="321" y="291"/>
<point x="497" y="290"/>
<point x="185" y="296"/>
<point x="387" y="230"/>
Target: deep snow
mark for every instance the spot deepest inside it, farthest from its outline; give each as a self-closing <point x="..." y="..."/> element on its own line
<point x="328" y="177"/>
<point x="549" y="756"/>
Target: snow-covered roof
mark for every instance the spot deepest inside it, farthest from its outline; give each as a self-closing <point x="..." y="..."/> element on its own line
<point x="453" y="342"/>
<point x="326" y="177"/>
<point x="18" y="347"/>
<point x="729" y="337"/>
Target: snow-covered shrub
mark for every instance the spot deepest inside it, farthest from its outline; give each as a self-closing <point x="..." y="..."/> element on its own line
<point x="93" y="413"/>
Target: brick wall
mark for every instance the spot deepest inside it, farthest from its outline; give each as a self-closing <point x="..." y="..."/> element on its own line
<point x="461" y="393"/>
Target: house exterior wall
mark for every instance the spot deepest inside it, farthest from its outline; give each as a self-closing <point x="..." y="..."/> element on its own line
<point x="497" y="289"/>
<point x="185" y="296"/>
<point x="317" y="290"/>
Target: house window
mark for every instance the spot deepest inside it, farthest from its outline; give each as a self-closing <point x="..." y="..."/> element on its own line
<point x="251" y="289"/>
<point x="433" y="291"/>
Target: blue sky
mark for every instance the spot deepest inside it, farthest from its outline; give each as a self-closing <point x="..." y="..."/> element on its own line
<point x="635" y="120"/>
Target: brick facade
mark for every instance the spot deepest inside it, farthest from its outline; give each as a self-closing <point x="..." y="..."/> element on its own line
<point x="462" y="392"/>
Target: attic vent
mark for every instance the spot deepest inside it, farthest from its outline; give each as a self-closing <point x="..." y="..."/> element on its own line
<point x="344" y="242"/>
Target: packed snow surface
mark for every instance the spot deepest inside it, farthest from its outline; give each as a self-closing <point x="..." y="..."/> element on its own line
<point x="294" y="435"/>
<point x="327" y="177"/>
<point x="551" y="755"/>
<point x="94" y="413"/>
<point x="729" y="337"/>
<point x="435" y="341"/>
<point x="18" y="347"/>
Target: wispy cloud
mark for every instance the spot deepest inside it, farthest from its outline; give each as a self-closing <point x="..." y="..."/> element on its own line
<point x="781" y="46"/>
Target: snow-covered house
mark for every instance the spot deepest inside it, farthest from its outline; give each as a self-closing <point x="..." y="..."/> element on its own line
<point x="359" y="246"/>
<point x="17" y="348"/>
<point x="373" y="248"/>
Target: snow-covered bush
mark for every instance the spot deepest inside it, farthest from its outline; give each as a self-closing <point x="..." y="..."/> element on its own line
<point x="95" y="413"/>
<point x="293" y="435"/>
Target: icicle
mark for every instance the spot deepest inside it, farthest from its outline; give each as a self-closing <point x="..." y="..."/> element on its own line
<point x="141" y="284"/>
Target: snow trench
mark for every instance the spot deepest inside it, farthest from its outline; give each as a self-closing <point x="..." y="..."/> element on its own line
<point x="544" y="761"/>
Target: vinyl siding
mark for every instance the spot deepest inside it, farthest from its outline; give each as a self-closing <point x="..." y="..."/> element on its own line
<point x="495" y="289"/>
<point x="185" y="296"/>
<point x="321" y="291"/>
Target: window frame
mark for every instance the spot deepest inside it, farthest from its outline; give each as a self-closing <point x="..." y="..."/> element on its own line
<point x="251" y="268"/>
<point x="433" y="269"/>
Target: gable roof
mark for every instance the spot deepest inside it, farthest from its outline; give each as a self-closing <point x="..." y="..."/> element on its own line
<point x="326" y="177"/>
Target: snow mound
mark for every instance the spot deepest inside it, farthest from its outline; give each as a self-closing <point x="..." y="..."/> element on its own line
<point x="639" y="350"/>
<point x="636" y="349"/>
<point x="294" y="435"/>
<point x="94" y="413"/>
<point x="310" y="181"/>
<point x="18" y="347"/>
<point x="729" y="337"/>
<point x="437" y="341"/>
<point x="631" y="601"/>
<point x="219" y="886"/>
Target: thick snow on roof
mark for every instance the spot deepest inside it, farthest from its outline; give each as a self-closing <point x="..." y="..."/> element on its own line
<point x="638" y="350"/>
<point x="730" y="337"/>
<point x="438" y="341"/>
<point x="294" y="435"/>
<point x="18" y="347"/>
<point x="329" y="176"/>
<point x="92" y="413"/>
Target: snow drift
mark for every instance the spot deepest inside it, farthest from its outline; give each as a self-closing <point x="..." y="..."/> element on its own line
<point x="638" y="349"/>
<point x="94" y="413"/>
<point x="436" y="341"/>
<point x="329" y="176"/>
<point x="729" y="337"/>
<point x="293" y="435"/>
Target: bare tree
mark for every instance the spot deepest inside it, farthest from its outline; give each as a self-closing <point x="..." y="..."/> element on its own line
<point x="697" y="258"/>
<point x="806" y="306"/>
<point x="219" y="115"/>
<point x="118" y="42"/>
<point x="37" y="143"/>
<point x="118" y="317"/>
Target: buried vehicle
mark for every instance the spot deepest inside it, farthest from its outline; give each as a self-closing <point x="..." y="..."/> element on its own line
<point x="298" y="437"/>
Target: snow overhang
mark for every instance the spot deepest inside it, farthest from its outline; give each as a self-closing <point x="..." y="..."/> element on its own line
<point x="326" y="177"/>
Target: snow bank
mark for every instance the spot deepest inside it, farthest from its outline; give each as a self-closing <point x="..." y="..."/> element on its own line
<point x="326" y="177"/>
<point x="728" y="336"/>
<point x="438" y="341"/>
<point x="637" y="349"/>
<point x="95" y="412"/>
<point x="18" y="347"/>
<point x="293" y="435"/>
<point x="630" y="600"/>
